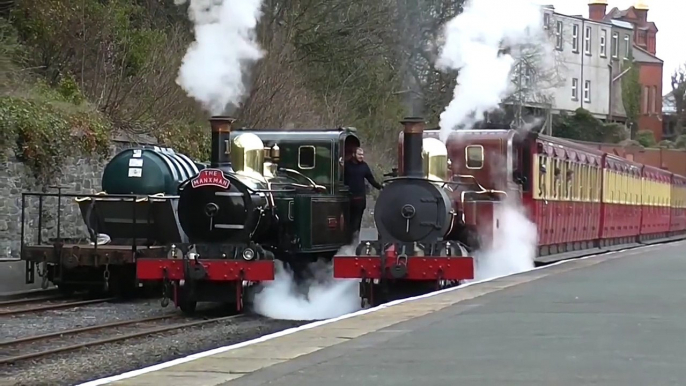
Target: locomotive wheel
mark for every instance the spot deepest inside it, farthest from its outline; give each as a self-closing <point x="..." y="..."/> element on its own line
<point x="185" y="302"/>
<point x="66" y="289"/>
<point x="188" y="306"/>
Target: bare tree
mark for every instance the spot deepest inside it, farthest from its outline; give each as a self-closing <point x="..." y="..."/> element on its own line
<point x="679" y="95"/>
<point x="536" y="74"/>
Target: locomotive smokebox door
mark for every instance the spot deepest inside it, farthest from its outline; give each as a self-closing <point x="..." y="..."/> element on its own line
<point x="412" y="211"/>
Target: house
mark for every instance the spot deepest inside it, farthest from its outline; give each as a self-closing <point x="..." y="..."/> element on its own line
<point x="644" y="42"/>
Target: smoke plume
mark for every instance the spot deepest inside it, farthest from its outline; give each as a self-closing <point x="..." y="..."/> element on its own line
<point x="319" y="297"/>
<point x="215" y="65"/>
<point x="475" y="44"/>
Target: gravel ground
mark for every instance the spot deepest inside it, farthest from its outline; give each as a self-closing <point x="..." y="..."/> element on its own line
<point x="21" y="325"/>
<point x="101" y="361"/>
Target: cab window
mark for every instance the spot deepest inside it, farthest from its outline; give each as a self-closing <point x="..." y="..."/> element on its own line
<point x="306" y="157"/>
<point x="474" y="156"/>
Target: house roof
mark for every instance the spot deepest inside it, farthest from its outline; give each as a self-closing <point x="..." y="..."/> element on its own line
<point x="643" y="56"/>
<point x="622" y="24"/>
<point x="629" y="13"/>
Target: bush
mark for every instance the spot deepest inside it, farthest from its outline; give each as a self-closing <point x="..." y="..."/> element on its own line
<point x="680" y="142"/>
<point x="43" y="134"/>
<point x="646" y="138"/>
<point x="666" y="144"/>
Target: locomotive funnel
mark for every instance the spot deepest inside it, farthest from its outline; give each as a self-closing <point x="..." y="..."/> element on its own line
<point x="412" y="146"/>
<point x="221" y="147"/>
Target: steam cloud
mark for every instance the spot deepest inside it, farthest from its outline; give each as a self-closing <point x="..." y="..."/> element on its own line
<point x="474" y="41"/>
<point x="215" y="64"/>
<point x="321" y="297"/>
<point x="514" y="244"/>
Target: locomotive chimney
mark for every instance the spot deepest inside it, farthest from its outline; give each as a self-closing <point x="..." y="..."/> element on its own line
<point x="412" y="146"/>
<point x="220" y="150"/>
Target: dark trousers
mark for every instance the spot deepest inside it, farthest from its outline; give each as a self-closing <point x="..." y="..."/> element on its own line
<point x="357" y="207"/>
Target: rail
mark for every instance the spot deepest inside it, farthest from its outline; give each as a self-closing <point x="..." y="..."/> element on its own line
<point x="21" y="343"/>
<point x="47" y="307"/>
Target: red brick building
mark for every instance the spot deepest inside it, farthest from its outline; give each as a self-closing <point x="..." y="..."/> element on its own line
<point x="644" y="52"/>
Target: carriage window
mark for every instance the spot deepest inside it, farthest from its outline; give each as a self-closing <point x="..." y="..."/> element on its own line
<point x="542" y="191"/>
<point x="588" y="183"/>
<point x="474" y="156"/>
<point x="306" y="157"/>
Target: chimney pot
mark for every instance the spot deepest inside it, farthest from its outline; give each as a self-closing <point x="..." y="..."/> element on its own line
<point x="597" y="9"/>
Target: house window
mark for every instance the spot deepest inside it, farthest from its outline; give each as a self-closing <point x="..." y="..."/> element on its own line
<point x="603" y="38"/>
<point x="656" y="101"/>
<point x="575" y="38"/>
<point x="627" y="46"/>
<point x="587" y="38"/>
<point x="558" y="35"/>
<point x="575" y="89"/>
<point x="615" y="44"/>
<point x="587" y="91"/>
<point x="546" y="20"/>
<point x="644" y="108"/>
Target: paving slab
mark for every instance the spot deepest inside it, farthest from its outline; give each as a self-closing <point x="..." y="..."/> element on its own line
<point x="616" y="319"/>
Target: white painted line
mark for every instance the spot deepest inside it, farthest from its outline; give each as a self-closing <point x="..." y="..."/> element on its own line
<point x="289" y="331"/>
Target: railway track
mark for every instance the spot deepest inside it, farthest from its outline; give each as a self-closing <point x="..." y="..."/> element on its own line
<point x="12" y="351"/>
<point x="23" y="306"/>
<point x="29" y="300"/>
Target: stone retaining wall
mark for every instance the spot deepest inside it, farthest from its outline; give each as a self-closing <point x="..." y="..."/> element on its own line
<point x="79" y="176"/>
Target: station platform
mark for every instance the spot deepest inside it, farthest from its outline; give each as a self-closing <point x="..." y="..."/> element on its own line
<point x="614" y="319"/>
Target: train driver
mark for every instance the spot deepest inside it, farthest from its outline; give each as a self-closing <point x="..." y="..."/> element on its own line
<point x="355" y="172"/>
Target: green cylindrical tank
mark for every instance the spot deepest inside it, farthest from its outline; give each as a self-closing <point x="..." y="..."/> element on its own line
<point x="147" y="170"/>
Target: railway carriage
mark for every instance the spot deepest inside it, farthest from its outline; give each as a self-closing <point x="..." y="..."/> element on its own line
<point x="678" y="205"/>
<point x="656" y="203"/>
<point x="621" y="214"/>
<point x="565" y="202"/>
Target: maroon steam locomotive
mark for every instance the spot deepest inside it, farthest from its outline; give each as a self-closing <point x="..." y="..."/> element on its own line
<point x="443" y="206"/>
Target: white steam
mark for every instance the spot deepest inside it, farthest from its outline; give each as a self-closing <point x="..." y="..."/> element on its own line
<point x="473" y="43"/>
<point x="214" y="66"/>
<point x="321" y="297"/>
<point x="514" y="244"/>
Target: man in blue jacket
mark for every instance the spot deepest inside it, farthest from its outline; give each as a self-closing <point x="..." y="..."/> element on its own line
<point x="355" y="173"/>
